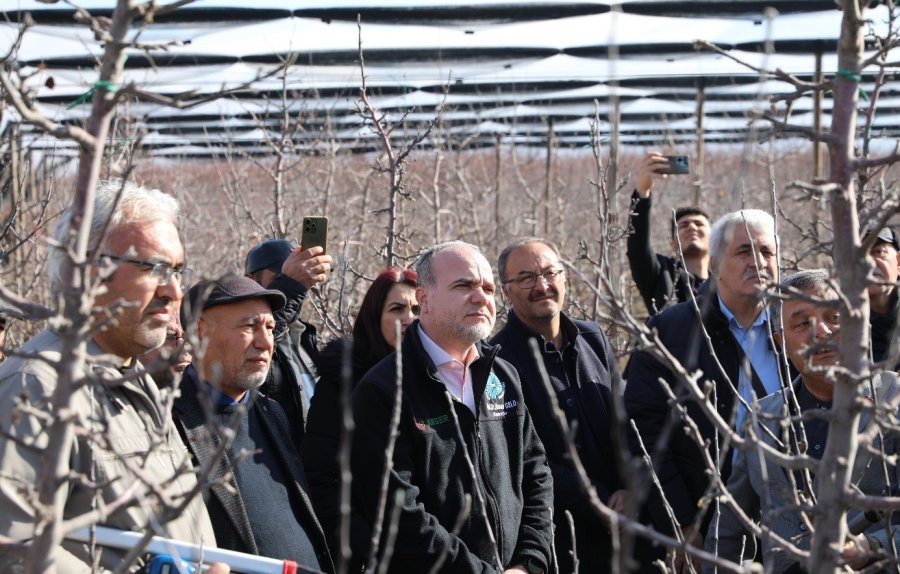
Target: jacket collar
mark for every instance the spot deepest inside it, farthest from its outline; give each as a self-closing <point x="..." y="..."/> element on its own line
<point x="415" y="352"/>
<point x="521" y="332"/>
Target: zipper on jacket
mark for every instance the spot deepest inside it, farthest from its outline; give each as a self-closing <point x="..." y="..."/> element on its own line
<point x="488" y="493"/>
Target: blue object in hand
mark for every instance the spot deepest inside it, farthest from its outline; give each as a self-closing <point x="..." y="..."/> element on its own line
<point x="165" y="564"/>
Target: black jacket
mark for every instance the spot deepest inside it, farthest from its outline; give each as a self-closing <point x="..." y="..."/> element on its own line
<point x="431" y="470"/>
<point x="225" y="504"/>
<point x="588" y="405"/>
<point x="588" y="402"/>
<point x="680" y="464"/>
<point x="290" y="362"/>
<point x="884" y="330"/>
<point x="319" y="451"/>
<point x="662" y="281"/>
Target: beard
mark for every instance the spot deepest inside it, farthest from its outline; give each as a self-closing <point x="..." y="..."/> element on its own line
<point x="232" y="379"/>
<point x="474" y="333"/>
<point x="250" y="381"/>
<point x="693" y="250"/>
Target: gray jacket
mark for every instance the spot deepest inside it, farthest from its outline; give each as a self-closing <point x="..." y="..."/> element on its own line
<point x="771" y="501"/>
<point x="119" y="454"/>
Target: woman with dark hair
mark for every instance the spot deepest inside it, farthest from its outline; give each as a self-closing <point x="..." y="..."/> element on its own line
<point x="390" y="299"/>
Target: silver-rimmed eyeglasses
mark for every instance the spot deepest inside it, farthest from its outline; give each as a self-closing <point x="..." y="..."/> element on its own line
<point x="529" y="280"/>
<point x="160" y="271"/>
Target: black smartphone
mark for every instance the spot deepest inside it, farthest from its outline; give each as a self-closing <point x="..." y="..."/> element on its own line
<point x="315" y="232"/>
<point x="678" y="165"/>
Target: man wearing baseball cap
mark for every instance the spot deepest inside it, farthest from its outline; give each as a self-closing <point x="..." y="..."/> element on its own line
<point x="259" y="504"/>
<point x="883" y="300"/>
<point x="276" y="264"/>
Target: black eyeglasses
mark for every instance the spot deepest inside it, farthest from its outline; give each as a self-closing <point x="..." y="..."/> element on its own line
<point x="528" y="281"/>
<point x="158" y="270"/>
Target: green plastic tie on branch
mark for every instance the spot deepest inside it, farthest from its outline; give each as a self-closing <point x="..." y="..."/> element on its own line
<point x="856" y="78"/>
<point x="98" y="85"/>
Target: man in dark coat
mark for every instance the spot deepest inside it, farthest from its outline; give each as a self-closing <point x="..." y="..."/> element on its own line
<point x="663" y="280"/>
<point x="476" y="494"/>
<point x="276" y="264"/>
<point x="883" y="299"/>
<point x="260" y="503"/>
<point x="739" y="357"/>
<point x="581" y="367"/>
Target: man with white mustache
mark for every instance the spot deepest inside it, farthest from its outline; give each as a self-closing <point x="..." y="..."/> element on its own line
<point x="740" y="355"/>
<point x="259" y="502"/>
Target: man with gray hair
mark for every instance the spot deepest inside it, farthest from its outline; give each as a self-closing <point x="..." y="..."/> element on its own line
<point x="126" y="456"/>
<point x="461" y="411"/>
<point x="739" y="355"/>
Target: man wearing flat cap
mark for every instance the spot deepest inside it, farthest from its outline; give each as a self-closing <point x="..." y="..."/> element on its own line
<point x="883" y="299"/>
<point x="276" y="264"/>
<point x="259" y="502"/>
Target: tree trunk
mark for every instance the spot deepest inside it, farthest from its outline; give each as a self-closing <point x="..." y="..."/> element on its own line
<point x="76" y="309"/>
<point x="852" y="268"/>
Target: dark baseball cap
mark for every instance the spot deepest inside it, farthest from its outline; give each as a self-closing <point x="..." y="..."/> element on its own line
<point x="890" y="236"/>
<point x="269" y="255"/>
<point x="229" y="289"/>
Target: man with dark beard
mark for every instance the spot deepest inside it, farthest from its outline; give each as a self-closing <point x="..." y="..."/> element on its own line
<point x="664" y="280"/>
<point x="259" y="503"/>
<point x="581" y="367"/>
<point x="883" y="299"/>
<point x="469" y="471"/>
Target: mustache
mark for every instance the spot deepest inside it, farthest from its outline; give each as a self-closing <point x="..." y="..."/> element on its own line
<point x="753" y="274"/>
<point x="543" y="293"/>
<point x="156" y="304"/>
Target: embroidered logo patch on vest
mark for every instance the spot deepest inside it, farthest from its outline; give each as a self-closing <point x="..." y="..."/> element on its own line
<point x="494" y="388"/>
<point x="425" y="424"/>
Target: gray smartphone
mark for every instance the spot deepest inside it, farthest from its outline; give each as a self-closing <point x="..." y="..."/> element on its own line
<point x="315" y="232"/>
<point x="678" y="165"/>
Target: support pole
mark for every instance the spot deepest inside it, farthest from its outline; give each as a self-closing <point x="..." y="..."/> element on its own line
<point x="612" y="175"/>
<point x="817" y="148"/>
<point x="548" y="188"/>
<point x="498" y="185"/>
<point x="700" y="159"/>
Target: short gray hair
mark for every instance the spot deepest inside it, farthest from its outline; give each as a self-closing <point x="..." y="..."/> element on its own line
<point x="723" y="229"/>
<point x="116" y="203"/>
<point x="805" y="279"/>
<point x="423" y="268"/>
<point x="504" y="255"/>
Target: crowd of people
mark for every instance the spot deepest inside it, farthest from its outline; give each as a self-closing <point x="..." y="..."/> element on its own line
<point x="427" y="440"/>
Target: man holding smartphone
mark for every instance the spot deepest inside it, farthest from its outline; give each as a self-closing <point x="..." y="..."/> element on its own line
<point x="664" y="280"/>
<point x="276" y="264"/>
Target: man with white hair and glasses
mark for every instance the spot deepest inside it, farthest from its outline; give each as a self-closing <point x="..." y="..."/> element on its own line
<point x="124" y="457"/>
